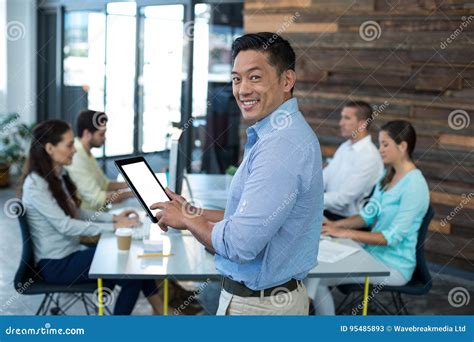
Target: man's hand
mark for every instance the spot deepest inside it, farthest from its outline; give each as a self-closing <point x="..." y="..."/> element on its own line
<point x="176" y="212"/>
<point x="170" y="214"/>
<point x="188" y="207"/>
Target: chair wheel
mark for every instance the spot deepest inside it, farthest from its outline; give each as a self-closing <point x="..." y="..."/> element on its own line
<point x="54" y="311"/>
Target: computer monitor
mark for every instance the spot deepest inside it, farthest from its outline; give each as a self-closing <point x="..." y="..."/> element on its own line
<point x="177" y="161"/>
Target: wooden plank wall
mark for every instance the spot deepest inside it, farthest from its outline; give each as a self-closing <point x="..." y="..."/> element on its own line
<point x="417" y="57"/>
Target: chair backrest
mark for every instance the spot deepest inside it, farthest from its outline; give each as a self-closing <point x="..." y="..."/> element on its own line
<point x="422" y="273"/>
<point x="26" y="269"/>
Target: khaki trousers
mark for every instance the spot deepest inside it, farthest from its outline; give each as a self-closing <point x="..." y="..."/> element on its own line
<point x="294" y="303"/>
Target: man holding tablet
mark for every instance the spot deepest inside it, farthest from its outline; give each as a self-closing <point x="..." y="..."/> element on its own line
<point x="266" y="239"/>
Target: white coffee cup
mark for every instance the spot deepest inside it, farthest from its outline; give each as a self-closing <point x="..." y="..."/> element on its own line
<point x="124" y="238"/>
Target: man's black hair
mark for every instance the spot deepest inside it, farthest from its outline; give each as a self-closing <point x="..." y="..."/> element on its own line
<point x="91" y="120"/>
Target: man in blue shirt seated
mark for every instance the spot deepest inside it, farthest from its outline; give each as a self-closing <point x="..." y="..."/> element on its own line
<point x="266" y="239"/>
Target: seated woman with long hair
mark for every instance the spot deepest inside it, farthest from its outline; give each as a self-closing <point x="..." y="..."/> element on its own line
<point x="395" y="212"/>
<point x="57" y="222"/>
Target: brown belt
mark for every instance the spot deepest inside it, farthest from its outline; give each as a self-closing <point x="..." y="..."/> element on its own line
<point x="241" y="290"/>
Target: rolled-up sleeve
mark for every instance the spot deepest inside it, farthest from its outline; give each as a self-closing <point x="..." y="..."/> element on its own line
<point x="268" y="196"/>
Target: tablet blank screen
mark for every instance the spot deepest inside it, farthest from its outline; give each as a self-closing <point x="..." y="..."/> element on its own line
<point x="145" y="184"/>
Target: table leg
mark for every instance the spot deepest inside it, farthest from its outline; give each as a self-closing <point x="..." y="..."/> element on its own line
<point x="100" y="296"/>
<point x="165" y="297"/>
<point x="366" y="297"/>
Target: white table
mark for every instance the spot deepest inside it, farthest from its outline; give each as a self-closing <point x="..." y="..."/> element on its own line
<point x="190" y="261"/>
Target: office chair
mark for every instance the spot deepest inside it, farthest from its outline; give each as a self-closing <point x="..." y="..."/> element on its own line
<point x="420" y="283"/>
<point x="28" y="281"/>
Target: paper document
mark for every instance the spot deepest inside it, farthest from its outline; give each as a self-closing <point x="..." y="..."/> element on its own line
<point x="331" y="252"/>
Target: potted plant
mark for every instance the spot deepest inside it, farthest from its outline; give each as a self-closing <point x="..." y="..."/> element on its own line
<point x="14" y="140"/>
<point x="229" y="174"/>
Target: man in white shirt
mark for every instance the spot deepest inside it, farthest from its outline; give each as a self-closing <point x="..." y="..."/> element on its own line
<point x="356" y="165"/>
<point x="95" y="189"/>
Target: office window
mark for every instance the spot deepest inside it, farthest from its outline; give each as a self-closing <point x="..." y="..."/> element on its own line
<point x="162" y="76"/>
<point x="84" y="55"/>
<point x="120" y="77"/>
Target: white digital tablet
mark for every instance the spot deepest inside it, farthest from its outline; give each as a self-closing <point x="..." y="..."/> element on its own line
<point x="143" y="182"/>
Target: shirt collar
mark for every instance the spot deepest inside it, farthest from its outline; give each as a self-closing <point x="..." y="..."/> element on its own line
<point x="62" y="173"/>
<point x="361" y="143"/>
<point x="275" y="119"/>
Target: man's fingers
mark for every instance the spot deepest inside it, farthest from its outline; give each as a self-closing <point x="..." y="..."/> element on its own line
<point x="171" y="194"/>
<point x="162" y="225"/>
<point x="175" y="196"/>
<point x="160" y="217"/>
<point x="158" y="205"/>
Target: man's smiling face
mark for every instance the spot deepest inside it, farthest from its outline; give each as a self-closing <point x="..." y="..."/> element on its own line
<point x="257" y="85"/>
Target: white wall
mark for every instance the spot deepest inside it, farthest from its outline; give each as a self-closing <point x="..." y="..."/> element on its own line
<point x="20" y="40"/>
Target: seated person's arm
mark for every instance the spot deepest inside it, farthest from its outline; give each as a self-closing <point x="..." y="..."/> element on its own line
<point x="117" y="191"/>
<point x="367" y="215"/>
<point x="117" y="196"/>
<point x="347" y="228"/>
<point x="353" y="222"/>
<point x="127" y="218"/>
<point x="370" y="238"/>
<point x="89" y="240"/>
<point x="116" y="186"/>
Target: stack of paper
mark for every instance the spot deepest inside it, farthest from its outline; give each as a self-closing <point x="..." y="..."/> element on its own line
<point x="152" y="246"/>
<point x="331" y="252"/>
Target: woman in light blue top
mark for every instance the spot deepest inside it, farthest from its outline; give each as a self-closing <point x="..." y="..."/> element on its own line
<point x="395" y="212"/>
